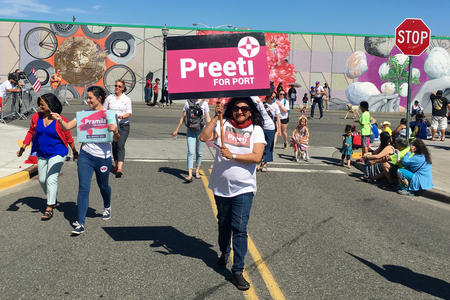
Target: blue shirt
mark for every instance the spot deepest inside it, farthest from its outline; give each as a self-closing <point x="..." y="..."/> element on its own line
<point x="46" y="141"/>
<point x="422" y="178"/>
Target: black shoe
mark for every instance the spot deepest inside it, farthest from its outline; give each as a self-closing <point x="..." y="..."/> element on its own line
<point x="320" y="117"/>
<point x="240" y="282"/>
<point x="119" y="174"/>
<point x="223" y="259"/>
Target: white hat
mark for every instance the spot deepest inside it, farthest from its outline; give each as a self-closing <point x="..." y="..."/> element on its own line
<point x="386" y="123"/>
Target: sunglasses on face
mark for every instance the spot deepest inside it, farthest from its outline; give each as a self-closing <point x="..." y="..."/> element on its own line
<point x="244" y="109"/>
<point x="282" y="94"/>
<point x="118" y="86"/>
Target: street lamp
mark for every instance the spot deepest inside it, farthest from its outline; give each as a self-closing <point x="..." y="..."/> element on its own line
<point x="165" y="33"/>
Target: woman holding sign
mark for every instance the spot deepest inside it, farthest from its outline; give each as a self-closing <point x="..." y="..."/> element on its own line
<point x="94" y="157"/>
<point x="50" y="143"/>
<point x="121" y="104"/>
<point x="233" y="179"/>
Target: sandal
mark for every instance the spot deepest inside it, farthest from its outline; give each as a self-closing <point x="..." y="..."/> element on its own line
<point x="48" y="214"/>
<point x="264" y="168"/>
<point x="119" y="173"/>
<point x="198" y="176"/>
<point x="188" y="179"/>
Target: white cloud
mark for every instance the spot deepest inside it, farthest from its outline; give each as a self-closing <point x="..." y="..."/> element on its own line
<point x="96" y="7"/>
<point x="20" y="8"/>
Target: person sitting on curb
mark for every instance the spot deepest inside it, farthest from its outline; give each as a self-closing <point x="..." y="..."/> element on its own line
<point x="417" y="172"/>
<point x="387" y="127"/>
<point x="401" y="128"/>
<point x="374" y="161"/>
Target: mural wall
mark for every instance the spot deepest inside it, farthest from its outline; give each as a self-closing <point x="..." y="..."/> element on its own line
<point x="357" y="68"/>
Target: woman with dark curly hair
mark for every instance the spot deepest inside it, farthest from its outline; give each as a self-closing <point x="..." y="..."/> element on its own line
<point x="50" y="143"/>
<point x="233" y="179"/>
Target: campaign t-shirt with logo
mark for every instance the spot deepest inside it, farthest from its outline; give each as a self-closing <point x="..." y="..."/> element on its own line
<point x="439" y="107"/>
<point x="229" y="177"/>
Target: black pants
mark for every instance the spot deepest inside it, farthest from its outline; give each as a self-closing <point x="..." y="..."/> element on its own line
<point x="317" y="101"/>
<point x="165" y="98"/>
<point x="155" y="98"/>
<point x="118" y="148"/>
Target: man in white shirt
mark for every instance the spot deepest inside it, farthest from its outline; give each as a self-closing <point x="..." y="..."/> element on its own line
<point x="317" y="99"/>
<point x="8" y="87"/>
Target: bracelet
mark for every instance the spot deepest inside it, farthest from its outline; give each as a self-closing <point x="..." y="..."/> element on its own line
<point x="233" y="156"/>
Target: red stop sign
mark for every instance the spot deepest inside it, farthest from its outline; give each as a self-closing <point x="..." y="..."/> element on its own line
<point x="412" y="37"/>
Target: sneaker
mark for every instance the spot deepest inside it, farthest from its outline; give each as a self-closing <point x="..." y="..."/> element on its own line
<point x="223" y="259"/>
<point x="106" y="214"/>
<point x="240" y="281"/>
<point x="78" y="230"/>
<point x="405" y="192"/>
<point x="75" y="224"/>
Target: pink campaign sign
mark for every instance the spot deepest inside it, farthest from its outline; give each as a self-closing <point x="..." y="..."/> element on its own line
<point x="222" y="71"/>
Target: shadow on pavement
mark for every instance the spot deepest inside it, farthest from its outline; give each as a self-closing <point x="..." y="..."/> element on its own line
<point x="416" y="281"/>
<point x="439" y="147"/>
<point x="173" y="171"/>
<point x="328" y="160"/>
<point x="172" y="241"/>
<point x="69" y="209"/>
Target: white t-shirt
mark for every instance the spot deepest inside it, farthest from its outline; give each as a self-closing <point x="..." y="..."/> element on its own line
<point x="4" y="87"/>
<point x="121" y="106"/>
<point x="285" y="104"/>
<point x="319" y="91"/>
<point x="274" y="109"/>
<point x="230" y="178"/>
<point x="204" y="106"/>
<point x="101" y="150"/>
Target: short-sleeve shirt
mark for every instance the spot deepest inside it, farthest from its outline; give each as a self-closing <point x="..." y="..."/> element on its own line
<point x="155" y="88"/>
<point x="318" y="92"/>
<point x="292" y="93"/>
<point x="4" y="87"/>
<point x="439" y="106"/>
<point x="121" y="105"/>
<point x="268" y="121"/>
<point x="204" y="106"/>
<point x="364" y="122"/>
<point x="230" y="178"/>
<point x="285" y="104"/>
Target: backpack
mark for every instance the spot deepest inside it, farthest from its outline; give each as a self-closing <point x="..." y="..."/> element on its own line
<point x="195" y="120"/>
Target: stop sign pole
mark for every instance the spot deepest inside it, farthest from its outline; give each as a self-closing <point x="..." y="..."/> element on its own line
<point x="412" y="37"/>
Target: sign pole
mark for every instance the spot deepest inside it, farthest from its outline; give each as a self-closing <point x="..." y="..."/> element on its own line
<point x="408" y="102"/>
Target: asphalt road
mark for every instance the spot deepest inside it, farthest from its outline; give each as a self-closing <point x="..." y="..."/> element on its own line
<point x="320" y="232"/>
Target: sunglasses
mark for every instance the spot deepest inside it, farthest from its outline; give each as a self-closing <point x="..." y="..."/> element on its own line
<point x="119" y="86"/>
<point x="244" y="109"/>
<point x="282" y="94"/>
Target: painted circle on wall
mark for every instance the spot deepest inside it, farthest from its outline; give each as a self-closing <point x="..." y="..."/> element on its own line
<point x="96" y="31"/>
<point x="64" y="30"/>
<point x="43" y="69"/>
<point x="81" y="60"/>
<point x="119" y="72"/>
<point x="40" y="42"/>
<point x="120" y="47"/>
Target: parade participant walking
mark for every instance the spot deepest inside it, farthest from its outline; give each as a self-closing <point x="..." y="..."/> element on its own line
<point x="50" y="143"/>
<point x="269" y="113"/>
<point x="283" y="104"/>
<point x="305" y="103"/>
<point x="195" y="115"/>
<point x="439" y="107"/>
<point x="165" y="94"/>
<point x="94" y="157"/>
<point x="121" y="104"/>
<point x="317" y="96"/>
<point x="233" y="179"/>
<point x="347" y="146"/>
<point x="275" y="110"/>
<point x="292" y="96"/>
<point x="155" y="92"/>
<point x="56" y="79"/>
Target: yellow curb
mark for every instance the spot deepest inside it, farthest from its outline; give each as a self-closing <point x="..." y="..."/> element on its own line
<point x="17" y="178"/>
<point x="357" y="155"/>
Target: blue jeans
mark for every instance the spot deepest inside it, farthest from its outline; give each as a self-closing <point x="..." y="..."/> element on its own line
<point x="233" y="215"/>
<point x="87" y="164"/>
<point x="405" y="174"/>
<point x="148" y="95"/>
<point x="194" y="144"/>
<point x="313" y="106"/>
<point x="269" y="135"/>
<point x="291" y="103"/>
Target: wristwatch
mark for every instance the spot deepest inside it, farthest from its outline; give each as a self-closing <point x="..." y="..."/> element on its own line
<point x="233" y="156"/>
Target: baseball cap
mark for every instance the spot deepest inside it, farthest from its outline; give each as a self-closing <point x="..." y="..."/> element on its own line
<point x="317" y="82"/>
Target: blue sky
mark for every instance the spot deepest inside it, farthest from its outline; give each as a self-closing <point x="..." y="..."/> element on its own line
<point x="338" y="16"/>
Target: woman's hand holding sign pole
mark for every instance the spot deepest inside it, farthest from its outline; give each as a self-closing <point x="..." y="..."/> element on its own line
<point x="220" y="106"/>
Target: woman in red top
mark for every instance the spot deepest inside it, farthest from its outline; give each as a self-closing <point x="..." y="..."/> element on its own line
<point x="50" y="143"/>
<point x="155" y="92"/>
